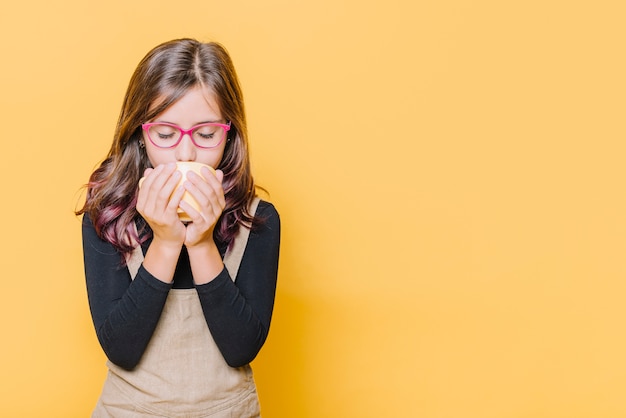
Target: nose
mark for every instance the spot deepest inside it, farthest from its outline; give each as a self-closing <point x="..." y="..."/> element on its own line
<point x="185" y="150"/>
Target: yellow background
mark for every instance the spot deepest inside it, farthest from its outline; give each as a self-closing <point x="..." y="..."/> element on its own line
<point x="450" y="176"/>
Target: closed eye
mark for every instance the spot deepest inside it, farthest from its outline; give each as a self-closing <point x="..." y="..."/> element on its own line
<point x="165" y="136"/>
<point x="206" y="135"/>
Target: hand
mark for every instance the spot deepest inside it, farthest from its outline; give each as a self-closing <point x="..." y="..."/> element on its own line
<point x="208" y="192"/>
<point x="158" y="202"/>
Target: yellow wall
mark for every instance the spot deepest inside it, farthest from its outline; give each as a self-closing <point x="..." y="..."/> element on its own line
<point x="449" y="174"/>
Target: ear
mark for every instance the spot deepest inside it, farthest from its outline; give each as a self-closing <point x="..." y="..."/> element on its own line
<point x="231" y="134"/>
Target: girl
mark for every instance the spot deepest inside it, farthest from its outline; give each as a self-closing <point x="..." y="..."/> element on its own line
<point x="180" y="308"/>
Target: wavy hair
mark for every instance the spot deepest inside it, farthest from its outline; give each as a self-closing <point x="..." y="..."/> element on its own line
<point x="162" y="77"/>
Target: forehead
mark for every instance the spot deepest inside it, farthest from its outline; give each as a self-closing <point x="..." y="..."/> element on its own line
<point x="196" y="105"/>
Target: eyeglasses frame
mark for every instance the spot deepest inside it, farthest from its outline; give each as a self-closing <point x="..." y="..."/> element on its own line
<point x="183" y="132"/>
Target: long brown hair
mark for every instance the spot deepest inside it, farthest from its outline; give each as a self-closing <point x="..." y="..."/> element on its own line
<point x="165" y="74"/>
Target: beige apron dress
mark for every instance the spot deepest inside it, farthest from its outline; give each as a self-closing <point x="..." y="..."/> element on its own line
<point x="182" y="372"/>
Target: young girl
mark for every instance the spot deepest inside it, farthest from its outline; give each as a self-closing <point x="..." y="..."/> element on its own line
<point x="180" y="308"/>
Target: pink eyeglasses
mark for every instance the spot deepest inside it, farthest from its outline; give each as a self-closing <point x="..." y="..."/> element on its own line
<point x="169" y="135"/>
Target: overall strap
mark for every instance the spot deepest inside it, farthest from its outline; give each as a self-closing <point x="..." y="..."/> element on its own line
<point x="232" y="259"/>
<point x="134" y="259"/>
<point x="234" y="254"/>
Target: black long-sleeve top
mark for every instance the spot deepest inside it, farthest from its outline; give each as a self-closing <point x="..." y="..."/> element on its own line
<point x="125" y="312"/>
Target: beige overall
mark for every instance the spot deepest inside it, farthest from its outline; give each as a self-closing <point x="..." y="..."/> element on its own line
<point x="182" y="372"/>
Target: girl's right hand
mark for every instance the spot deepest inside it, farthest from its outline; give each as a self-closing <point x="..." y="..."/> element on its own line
<point x="158" y="201"/>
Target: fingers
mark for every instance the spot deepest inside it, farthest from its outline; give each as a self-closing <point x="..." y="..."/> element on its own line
<point x="157" y="194"/>
<point x="207" y="190"/>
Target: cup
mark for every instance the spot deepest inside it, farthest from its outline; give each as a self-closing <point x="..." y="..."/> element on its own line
<point x="185" y="167"/>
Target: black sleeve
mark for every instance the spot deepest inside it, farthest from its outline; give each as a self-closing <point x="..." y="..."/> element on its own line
<point x="125" y="312"/>
<point x="239" y="313"/>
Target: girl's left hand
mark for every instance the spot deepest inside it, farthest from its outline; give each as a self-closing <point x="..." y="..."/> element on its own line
<point x="208" y="192"/>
